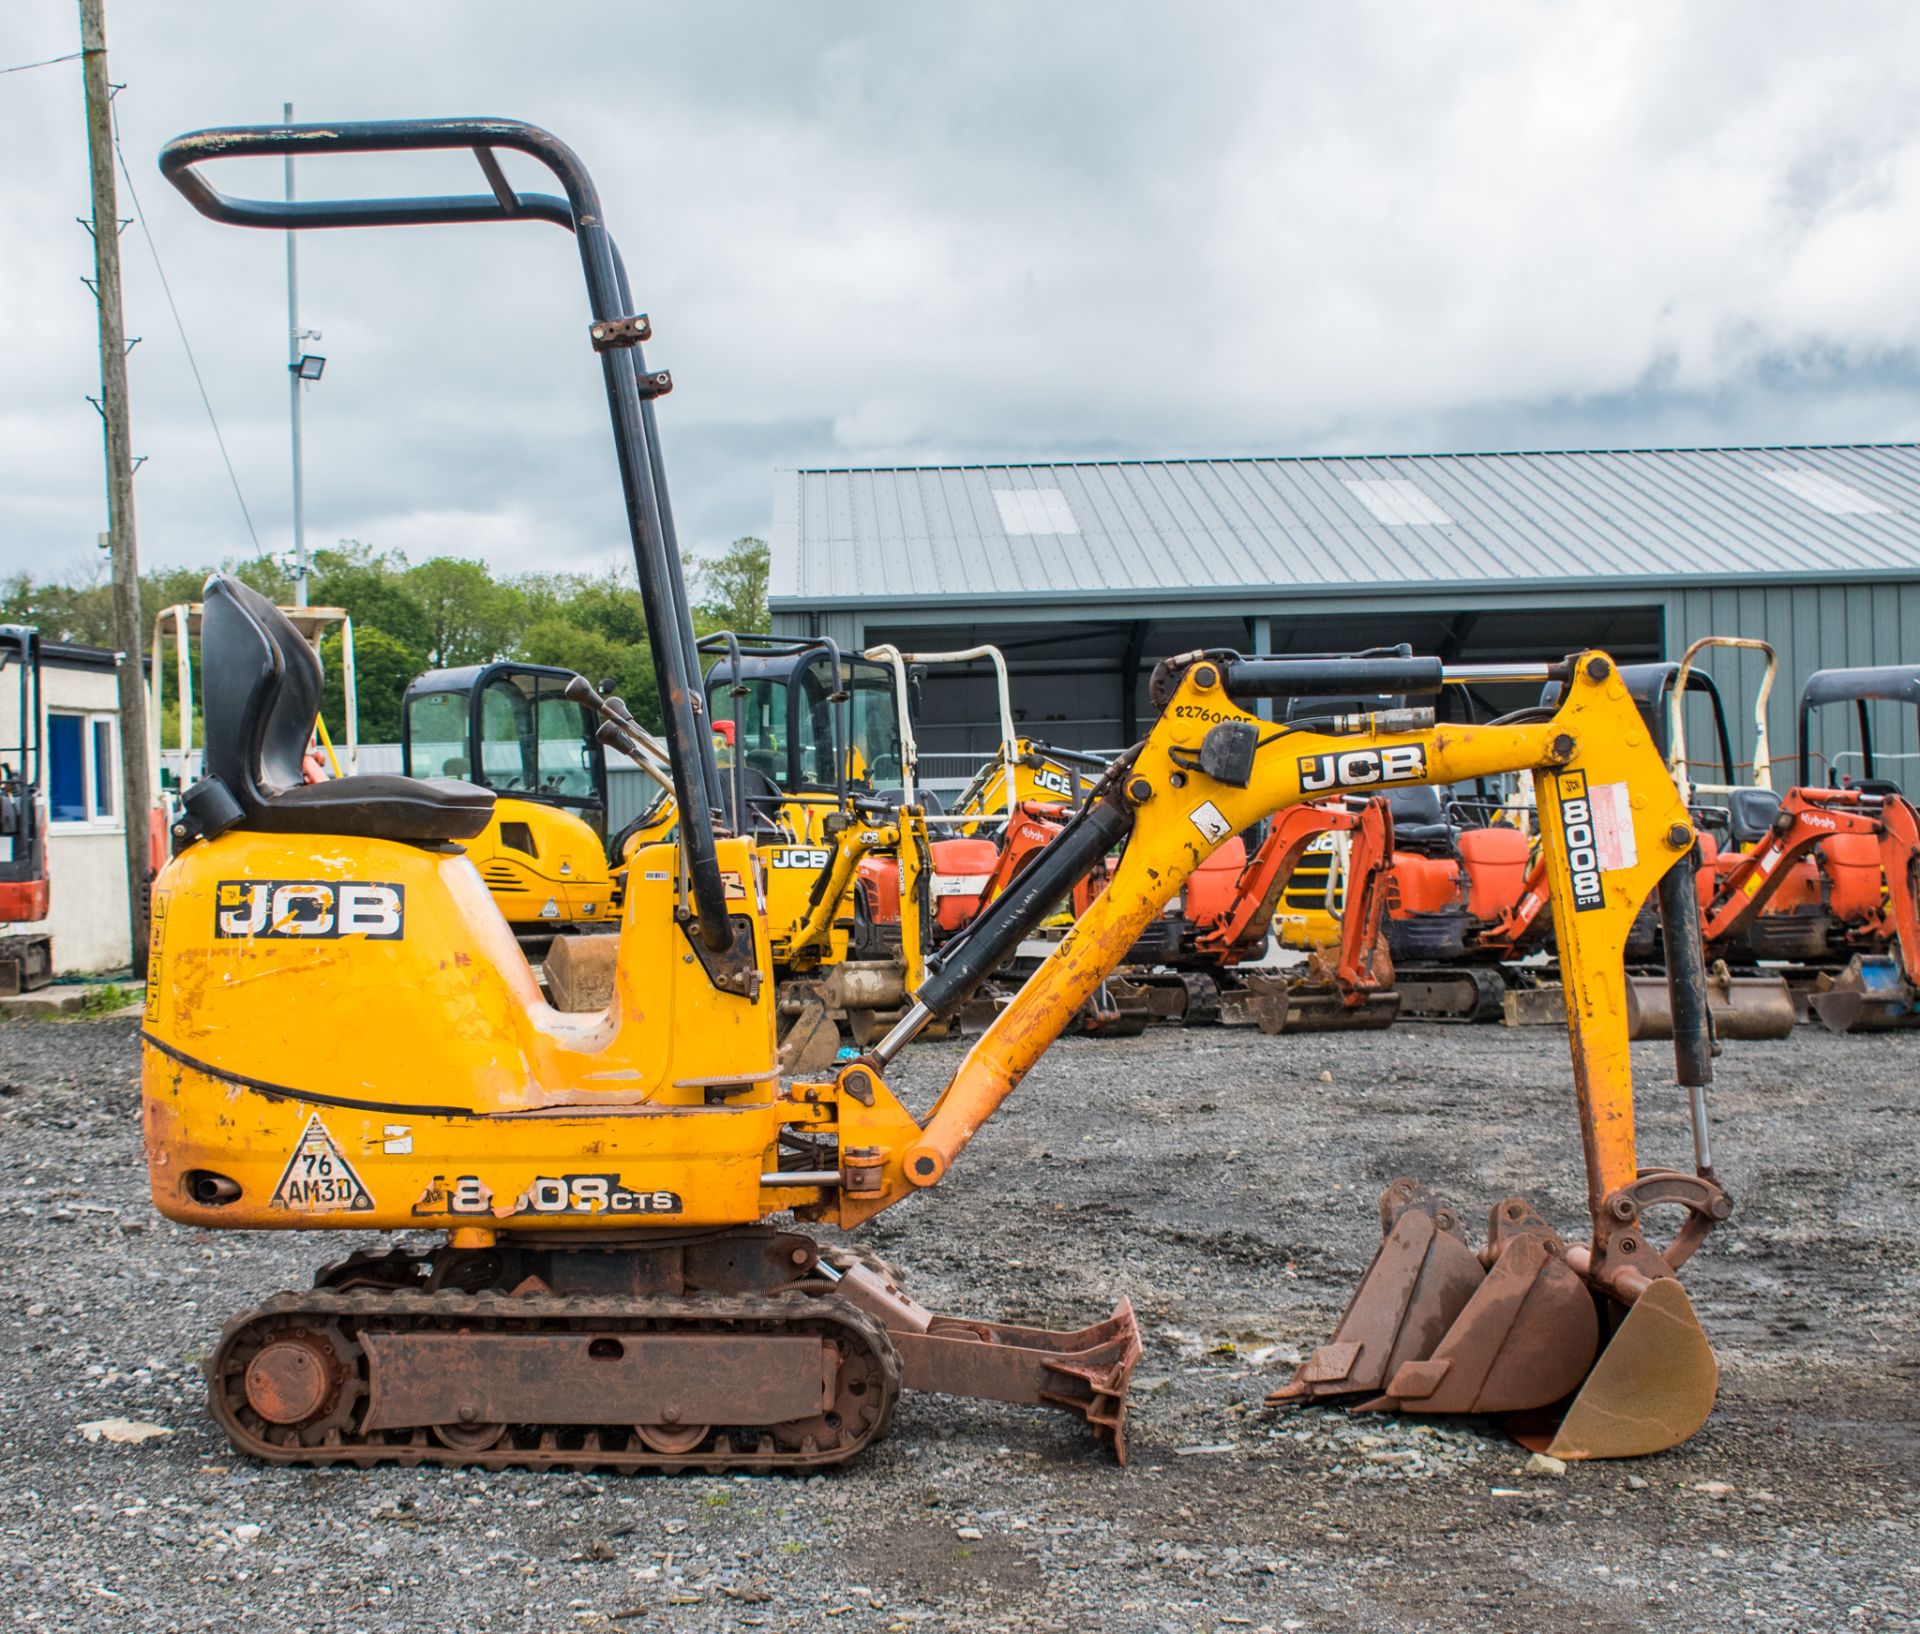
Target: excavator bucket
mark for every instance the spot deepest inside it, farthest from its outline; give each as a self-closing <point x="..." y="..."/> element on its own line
<point x="1744" y="1007"/>
<point x="1651" y="1389"/>
<point x="1428" y="1331"/>
<point x="1872" y="995"/>
<point x="1422" y="1277"/>
<point x="1523" y="1341"/>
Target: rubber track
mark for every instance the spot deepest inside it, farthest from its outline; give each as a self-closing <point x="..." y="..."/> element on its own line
<point x="396" y="1311"/>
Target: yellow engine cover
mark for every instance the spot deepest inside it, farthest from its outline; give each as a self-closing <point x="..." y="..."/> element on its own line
<point x="347" y="1032"/>
<point x="544" y="865"/>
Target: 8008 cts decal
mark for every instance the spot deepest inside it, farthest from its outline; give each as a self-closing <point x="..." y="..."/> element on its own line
<point x="549" y="1194"/>
<point x="1361" y="768"/>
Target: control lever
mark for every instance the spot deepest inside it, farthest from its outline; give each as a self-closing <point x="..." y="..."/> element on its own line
<point x="619" y="730"/>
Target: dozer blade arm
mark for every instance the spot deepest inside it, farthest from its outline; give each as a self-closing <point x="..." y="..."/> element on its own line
<point x="1369" y="863"/>
<point x="831" y="885"/>
<point x="1516" y="925"/>
<point x="1899" y="864"/>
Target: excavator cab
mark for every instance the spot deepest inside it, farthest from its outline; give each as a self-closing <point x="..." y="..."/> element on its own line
<point x="1888" y="683"/>
<point x="26" y="957"/>
<point x="813" y="730"/>
<point x="513" y="728"/>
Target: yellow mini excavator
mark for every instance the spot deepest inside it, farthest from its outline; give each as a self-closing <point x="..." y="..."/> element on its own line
<point x="515" y="729"/>
<point x="341" y="1034"/>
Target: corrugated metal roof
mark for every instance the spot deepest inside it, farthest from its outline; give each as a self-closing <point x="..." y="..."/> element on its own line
<point x="1118" y="530"/>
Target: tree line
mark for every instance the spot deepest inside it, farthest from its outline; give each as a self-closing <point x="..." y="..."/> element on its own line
<point x="410" y="617"/>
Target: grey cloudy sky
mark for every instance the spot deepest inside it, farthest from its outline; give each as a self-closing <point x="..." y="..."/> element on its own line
<point x="885" y="232"/>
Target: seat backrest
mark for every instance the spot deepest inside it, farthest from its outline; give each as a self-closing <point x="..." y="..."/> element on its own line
<point x="1415" y="803"/>
<point x="1750" y="813"/>
<point x="260" y="693"/>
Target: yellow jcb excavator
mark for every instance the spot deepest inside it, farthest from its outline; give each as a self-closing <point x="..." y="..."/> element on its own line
<point x="340" y="1033"/>
<point x="514" y="728"/>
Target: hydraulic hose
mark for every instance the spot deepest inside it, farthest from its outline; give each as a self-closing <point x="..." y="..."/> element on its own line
<point x="1010" y="918"/>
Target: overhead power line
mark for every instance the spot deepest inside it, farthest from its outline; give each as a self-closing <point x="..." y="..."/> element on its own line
<point x="186" y="345"/>
<point x="22" y="67"/>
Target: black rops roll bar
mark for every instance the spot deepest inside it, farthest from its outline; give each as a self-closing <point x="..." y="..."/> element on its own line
<point x="801" y="649"/>
<point x="1889" y="683"/>
<point x="616" y="332"/>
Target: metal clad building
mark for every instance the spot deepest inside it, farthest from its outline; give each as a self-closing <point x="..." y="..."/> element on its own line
<point x="1086" y="573"/>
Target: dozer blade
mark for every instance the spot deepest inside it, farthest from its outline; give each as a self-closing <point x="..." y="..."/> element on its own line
<point x="1525" y="1339"/>
<point x="1421" y="1278"/>
<point x="1870" y="996"/>
<point x="1744" y="1007"/>
<point x="1084" y="1372"/>
<point x="1652" y="1388"/>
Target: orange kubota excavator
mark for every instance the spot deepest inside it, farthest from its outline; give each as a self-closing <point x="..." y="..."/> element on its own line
<point x="1191" y="966"/>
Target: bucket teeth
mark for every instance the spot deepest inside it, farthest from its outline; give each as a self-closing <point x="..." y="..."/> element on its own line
<point x="1421" y="1278"/>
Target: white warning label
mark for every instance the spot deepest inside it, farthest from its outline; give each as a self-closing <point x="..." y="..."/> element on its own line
<point x="1211" y="821"/>
<point x="1613" y="825"/>
<point x="318" y="1179"/>
<point x="1597" y="828"/>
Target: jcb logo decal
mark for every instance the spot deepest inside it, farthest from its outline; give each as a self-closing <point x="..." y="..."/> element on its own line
<point x="798" y="856"/>
<point x="310" y="910"/>
<point x="1360" y="768"/>
<point x="1583" y="849"/>
<point x="1053" y="782"/>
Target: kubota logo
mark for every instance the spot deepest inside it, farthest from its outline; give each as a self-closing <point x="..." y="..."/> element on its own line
<point x="1358" y="768"/>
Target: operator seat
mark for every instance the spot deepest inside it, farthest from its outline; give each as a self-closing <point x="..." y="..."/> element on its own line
<point x="1750" y="814"/>
<point x="260" y="693"/>
<point x="1418" y="822"/>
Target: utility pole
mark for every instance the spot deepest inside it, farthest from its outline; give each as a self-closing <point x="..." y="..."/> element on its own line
<point x="294" y="338"/>
<point x="135" y="776"/>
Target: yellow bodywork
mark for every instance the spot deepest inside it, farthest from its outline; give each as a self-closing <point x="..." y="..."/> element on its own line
<point x="397" y="1068"/>
<point x="1035" y="775"/>
<point x="544" y="865"/>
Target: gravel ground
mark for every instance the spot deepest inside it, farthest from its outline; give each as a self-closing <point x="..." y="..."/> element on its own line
<point x="1226" y="1181"/>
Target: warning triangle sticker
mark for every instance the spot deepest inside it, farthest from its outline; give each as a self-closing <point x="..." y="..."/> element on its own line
<point x="318" y="1179"/>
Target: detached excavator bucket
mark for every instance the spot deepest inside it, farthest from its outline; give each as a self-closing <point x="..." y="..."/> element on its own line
<point x="1743" y="1007"/>
<point x="1872" y="995"/>
<point x="1523" y="1341"/>
<point x="1422" y="1277"/>
<point x="1651" y="1389"/>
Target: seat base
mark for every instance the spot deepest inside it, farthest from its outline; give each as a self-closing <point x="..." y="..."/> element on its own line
<point x="378" y="808"/>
